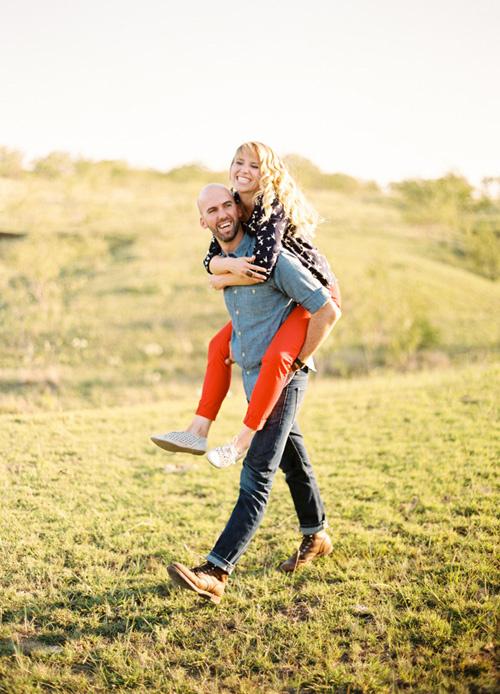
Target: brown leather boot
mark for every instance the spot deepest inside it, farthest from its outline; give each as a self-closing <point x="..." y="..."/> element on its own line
<point x="312" y="547"/>
<point x="207" y="580"/>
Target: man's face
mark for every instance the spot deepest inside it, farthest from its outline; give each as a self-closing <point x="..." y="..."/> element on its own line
<point x="220" y="214"/>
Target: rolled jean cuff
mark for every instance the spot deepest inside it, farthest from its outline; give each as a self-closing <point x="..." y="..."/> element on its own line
<point x="224" y="565"/>
<point x="313" y="529"/>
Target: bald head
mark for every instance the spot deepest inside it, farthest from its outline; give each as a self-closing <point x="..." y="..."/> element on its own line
<point x="209" y="191"/>
<point x="221" y="215"/>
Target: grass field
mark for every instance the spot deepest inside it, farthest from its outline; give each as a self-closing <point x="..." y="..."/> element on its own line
<point x="105" y="316"/>
<point x="92" y="513"/>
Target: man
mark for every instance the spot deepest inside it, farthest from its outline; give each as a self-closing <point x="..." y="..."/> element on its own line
<point x="259" y="310"/>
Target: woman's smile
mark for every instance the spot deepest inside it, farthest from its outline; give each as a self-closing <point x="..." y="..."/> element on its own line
<point x="245" y="174"/>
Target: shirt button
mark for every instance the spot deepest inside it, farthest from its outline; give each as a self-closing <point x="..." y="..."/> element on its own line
<point x="235" y="291"/>
<point x="253" y="291"/>
<point x="239" y="332"/>
<point x="237" y="313"/>
<point x="248" y="373"/>
<point x="243" y="354"/>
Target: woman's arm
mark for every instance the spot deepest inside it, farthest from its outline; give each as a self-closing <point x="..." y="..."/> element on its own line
<point x="240" y="267"/>
<point x="214" y="250"/>
<point x="230" y="280"/>
<point x="268" y="238"/>
<point x="217" y="264"/>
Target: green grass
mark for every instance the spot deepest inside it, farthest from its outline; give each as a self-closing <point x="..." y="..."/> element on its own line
<point x="92" y="513"/>
<point x="105" y="316"/>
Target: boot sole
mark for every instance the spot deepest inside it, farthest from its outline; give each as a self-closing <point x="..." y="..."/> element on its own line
<point x="183" y="581"/>
<point x="175" y="448"/>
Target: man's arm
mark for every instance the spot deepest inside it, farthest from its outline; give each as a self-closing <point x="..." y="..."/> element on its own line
<point x="320" y="326"/>
<point x="292" y="278"/>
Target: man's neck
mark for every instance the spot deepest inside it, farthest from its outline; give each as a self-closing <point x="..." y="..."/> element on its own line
<point x="230" y="246"/>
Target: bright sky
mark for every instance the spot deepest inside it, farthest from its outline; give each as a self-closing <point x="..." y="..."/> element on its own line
<point x="378" y="89"/>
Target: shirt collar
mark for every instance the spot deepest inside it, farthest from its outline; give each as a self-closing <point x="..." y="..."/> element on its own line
<point x="243" y="249"/>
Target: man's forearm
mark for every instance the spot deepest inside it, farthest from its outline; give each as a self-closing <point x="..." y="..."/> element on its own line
<point x="320" y="326"/>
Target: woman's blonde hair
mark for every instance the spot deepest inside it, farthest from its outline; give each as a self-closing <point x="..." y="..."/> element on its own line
<point x="276" y="182"/>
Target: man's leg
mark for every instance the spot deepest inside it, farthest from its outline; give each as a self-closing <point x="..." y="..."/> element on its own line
<point x="257" y="475"/>
<point x="259" y="468"/>
<point x="306" y="496"/>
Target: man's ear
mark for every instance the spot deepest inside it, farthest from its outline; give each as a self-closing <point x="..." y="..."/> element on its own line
<point x="203" y="224"/>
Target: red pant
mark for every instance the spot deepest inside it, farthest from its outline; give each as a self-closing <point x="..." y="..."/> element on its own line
<point x="276" y="364"/>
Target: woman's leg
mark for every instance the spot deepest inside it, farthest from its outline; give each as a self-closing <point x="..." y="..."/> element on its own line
<point x="276" y="365"/>
<point x="215" y="384"/>
<point x="193" y="439"/>
<point x="275" y="369"/>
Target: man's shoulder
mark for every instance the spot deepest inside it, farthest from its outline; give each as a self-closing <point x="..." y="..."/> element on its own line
<point x="288" y="262"/>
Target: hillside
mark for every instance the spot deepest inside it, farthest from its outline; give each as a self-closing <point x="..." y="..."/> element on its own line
<point x="105" y="300"/>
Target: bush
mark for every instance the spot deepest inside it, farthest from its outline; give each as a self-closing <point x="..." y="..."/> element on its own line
<point x="11" y="163"/>
<point x="55" y="165"/>
<point x="443" y="200"/>
<point x="482" y="246"/>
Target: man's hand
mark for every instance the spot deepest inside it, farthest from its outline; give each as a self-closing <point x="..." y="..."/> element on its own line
<point x="217" y="281"/>
<point x="230" y="360"/>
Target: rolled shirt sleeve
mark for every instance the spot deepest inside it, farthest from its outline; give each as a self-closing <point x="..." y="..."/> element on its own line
<point x="293" y="280"/>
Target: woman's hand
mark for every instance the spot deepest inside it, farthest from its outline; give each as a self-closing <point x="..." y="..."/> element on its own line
<point x="244" y="267"/>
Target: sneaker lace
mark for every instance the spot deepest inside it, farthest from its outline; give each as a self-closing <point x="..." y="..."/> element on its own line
<point x="227" y="454"/>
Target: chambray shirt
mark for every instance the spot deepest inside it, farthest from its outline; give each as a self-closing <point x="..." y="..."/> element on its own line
<point x="257" y="311"/>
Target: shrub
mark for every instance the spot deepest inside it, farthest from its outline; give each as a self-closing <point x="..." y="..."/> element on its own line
<point x="442" y="200"/>
<point x="482" y="246"/>
<point x="11" y="163"/>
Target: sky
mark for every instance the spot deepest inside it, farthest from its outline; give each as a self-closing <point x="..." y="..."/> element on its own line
<point x="377" y="89"/>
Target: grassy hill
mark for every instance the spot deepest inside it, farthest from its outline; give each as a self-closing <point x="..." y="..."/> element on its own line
<point x="105" y="316"/>
<point x="105" y="300"/>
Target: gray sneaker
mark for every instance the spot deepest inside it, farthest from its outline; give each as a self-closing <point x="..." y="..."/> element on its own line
<point x="181" y="442"/>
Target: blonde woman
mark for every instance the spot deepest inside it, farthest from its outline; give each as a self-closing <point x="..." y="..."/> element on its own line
<point x="278" y="215"/>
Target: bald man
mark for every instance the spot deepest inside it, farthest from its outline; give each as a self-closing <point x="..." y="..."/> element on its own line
<point x="258" y="311"/>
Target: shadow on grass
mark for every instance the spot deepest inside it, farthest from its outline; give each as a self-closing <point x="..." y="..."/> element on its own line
<point x="108" y="609"/>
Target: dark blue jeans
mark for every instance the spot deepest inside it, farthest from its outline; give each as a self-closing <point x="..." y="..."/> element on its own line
<point x="278" y="444"/>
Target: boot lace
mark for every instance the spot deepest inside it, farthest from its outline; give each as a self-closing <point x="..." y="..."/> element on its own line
<point x="306" y="545"/>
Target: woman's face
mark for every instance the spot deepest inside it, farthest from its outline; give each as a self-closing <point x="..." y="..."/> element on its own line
<point x="245" y="173"/>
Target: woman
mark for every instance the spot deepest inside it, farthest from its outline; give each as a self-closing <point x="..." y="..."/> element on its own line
<point x="278" y="215"/>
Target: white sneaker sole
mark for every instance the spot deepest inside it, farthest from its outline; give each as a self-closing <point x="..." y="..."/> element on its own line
<point x="173" y="447"/>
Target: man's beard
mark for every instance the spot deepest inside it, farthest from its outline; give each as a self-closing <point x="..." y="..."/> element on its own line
<point x="226" y="238"/>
